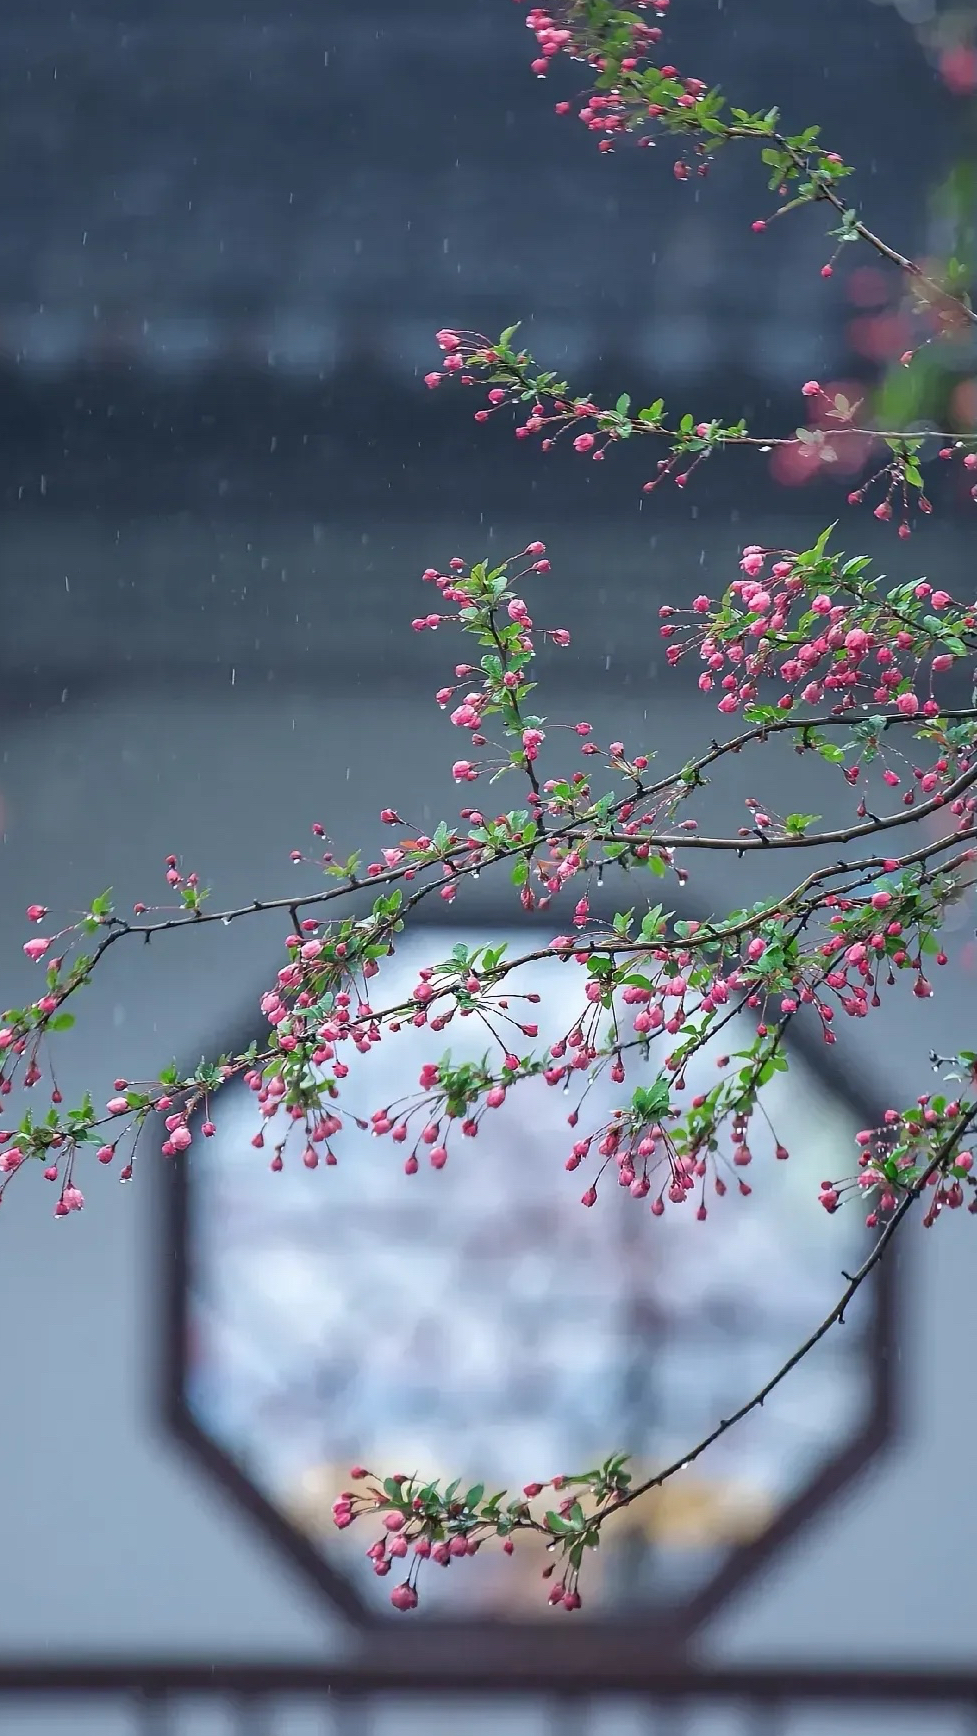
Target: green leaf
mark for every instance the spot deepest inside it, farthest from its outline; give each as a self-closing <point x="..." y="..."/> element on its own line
<point x="474" y="1495"/>
<point x="61" y="1022"/>
<point x="623" y="404"/>
<point x="810" y="557"/>
<point x="651" y="1101"/>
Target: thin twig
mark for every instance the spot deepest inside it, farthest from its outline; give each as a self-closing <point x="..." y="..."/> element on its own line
<point x="835" y="1317"/>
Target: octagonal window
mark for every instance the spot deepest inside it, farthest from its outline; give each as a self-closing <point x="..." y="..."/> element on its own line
<point x="478" y="1322"/>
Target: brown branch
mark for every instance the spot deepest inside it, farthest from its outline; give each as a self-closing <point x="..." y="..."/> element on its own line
<point x="805" y="840"/>
<point x="836" y="1317"/>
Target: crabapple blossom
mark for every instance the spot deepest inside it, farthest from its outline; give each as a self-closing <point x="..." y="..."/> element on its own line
<point x="812" y="645"/>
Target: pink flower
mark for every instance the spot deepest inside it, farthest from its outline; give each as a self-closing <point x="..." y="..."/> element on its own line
<point x="583" y="443"/>
<point x="36" y="949"/>
<point x="36" y="912"/>
<point x="432" y="380"/>
<point x="447" y="340"/>
<point x="404" y="1597"/>
<point x="811" y="388"/>
<point x="465" y="717"/>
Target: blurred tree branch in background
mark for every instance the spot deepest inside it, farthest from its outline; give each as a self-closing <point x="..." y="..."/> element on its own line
<point x="940" y="384"/>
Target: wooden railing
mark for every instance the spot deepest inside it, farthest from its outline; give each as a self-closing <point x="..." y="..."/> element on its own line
<point x="259" y="1699"/>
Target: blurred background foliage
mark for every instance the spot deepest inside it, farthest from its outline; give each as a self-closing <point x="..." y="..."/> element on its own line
<point x="940" y="385"/>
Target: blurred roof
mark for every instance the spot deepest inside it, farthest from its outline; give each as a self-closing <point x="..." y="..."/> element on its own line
<point x="198" y="181"/>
